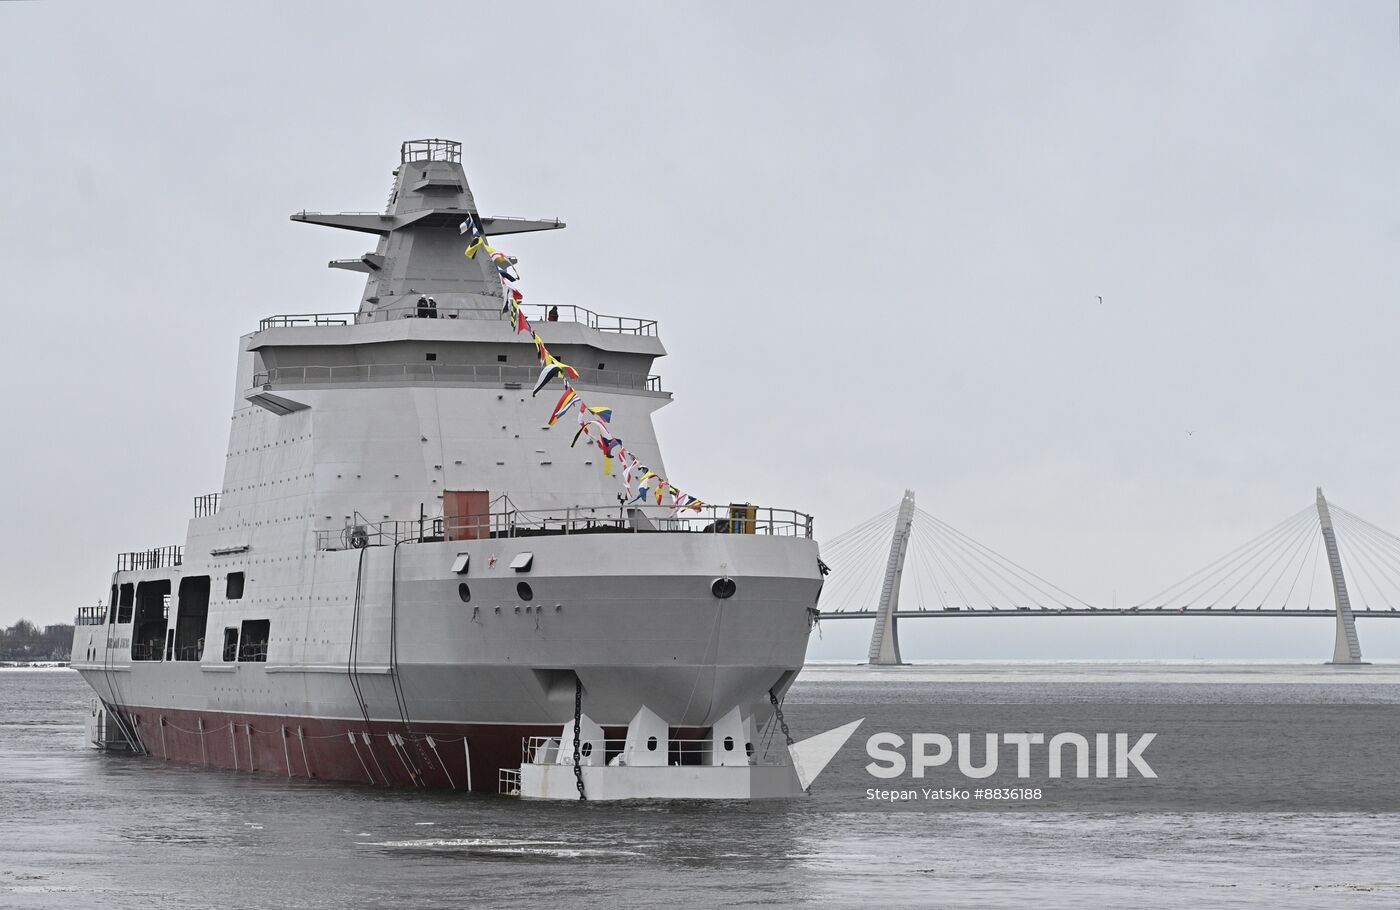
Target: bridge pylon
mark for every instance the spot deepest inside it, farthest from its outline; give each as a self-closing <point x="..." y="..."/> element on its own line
<point x="884" y="640"/>
<point x="1346" y="652"/>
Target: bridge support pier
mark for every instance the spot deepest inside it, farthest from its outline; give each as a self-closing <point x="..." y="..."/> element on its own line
<point x="1346" y="651"/>
<point x="884" y="640"/>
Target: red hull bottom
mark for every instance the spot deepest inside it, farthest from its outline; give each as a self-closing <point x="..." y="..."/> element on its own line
<point x="380" y="753"/>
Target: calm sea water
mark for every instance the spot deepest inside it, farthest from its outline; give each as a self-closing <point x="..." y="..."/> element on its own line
<point x="82" y="829"/>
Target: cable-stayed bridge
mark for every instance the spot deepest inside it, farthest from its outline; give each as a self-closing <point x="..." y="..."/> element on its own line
<point x="907" y="564"/>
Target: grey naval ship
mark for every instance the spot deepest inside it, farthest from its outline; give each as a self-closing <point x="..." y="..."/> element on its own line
<point x="410" y="578"/>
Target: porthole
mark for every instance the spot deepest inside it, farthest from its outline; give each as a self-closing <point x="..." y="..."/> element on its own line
<point x="523" y="589"/>
<point x="748" y="749"/>
<point x="464" y="592"/>
<point x="586" y="749"/>
<point x="723" y="588"/>
<point x="729" y="744"/>
<point x="651" y="743"/>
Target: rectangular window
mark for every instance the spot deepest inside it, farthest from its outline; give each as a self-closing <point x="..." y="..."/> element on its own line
<point x="253" y="645"/>
<point x="230" y="644"/>
<point x="234" y="590"/>
<point x="126" y="598"/>
<point x="112" y="606"/>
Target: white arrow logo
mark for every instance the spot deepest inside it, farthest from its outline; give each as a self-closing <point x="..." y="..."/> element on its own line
<point x="810" y="757"/>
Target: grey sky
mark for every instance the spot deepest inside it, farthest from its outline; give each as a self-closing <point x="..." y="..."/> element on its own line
<point x="874" y="239"/>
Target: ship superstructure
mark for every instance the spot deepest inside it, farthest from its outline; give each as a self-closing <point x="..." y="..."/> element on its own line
<point x="408" y="572"/>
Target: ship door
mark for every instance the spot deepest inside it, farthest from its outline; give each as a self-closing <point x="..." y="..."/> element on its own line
<point x="743" y="517"/>
<point x="191" y="616"/>
<point x="466" y="514"/>
<point x="152" y="618"/>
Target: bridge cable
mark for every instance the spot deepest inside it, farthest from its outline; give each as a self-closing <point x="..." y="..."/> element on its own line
<point x="961" y="569"/>
<point x="972" y="559"/>
<point x="1263" y="563"/>
<point x="971" y="563"/>
<point x="1190" y="581"/>
<point x="1309" y="554"/>
<point x="1285" y="550"/>
<point x="856" y="570"/>
<point x="1261" y="560"/>
<point x="1205" y="577"/>
<point x="1314" y="554"/>
<point x="921" y="562"/>
<point x="1016" y="571"/>
<point x="946" y="570"/>
<point x="1298" y="546"/>
<point x="873" y="521"/>
<point x="1226" y="577"/>
<point x="852" y="558"/>
<point x="1312" y="584"/>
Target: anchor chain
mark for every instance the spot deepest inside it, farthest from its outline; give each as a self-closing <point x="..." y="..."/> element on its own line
<point x="578" y="733"/>
<point x="778" y="710"/>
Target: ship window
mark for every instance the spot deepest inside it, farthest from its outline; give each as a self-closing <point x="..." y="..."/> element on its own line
<point x="430" y="356"/>
<point x="112" y="606"/>
<point x="125" y="598"/>
<point x="600" y="366"/>
<point x="723" y="588"/>
<point x="230" y="644"/>
<point x="191" y="615"/>
<point x="523" y="589"/>
<point x="729" y="744"/>
<point x="234" y="589"/>
<point x="500" y="358"/>
<point x="464" y="592"/>
<point x="253" y="646"/>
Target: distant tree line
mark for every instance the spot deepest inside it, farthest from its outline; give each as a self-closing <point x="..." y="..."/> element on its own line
<point x="26" y="641"/>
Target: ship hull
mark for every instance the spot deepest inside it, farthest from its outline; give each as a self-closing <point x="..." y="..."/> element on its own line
<point x="462" y="757"/>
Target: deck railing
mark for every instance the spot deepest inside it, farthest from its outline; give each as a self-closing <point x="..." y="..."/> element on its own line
<point x="91" y="616"/>
<point x="733" y="519"/>
<point x="535" y="312"/>
<point x="430" y="150"/>
<point x="158" y="558"/>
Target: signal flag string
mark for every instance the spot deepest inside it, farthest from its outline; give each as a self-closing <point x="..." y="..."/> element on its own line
<point x="594" y="423"/>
